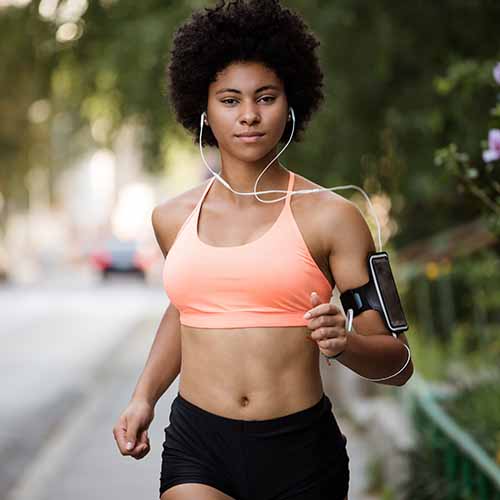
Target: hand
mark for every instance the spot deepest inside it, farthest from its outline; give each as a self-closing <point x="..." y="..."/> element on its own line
<point x="132" y="426"/>
<point x="328" y="327"/>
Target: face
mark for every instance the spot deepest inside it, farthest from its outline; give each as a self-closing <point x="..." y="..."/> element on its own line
<point x="247" y="97"/>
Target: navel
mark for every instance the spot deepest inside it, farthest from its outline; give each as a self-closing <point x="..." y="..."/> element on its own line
<point x="244" y="401"/>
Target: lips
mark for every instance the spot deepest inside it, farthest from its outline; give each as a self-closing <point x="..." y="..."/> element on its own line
<point x="250" y="134"/>
<point x="250" y="137"/>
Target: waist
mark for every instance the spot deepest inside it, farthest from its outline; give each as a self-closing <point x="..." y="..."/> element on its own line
<point x="257" y="373"/>
<point x="319" y="408"/>
<point x="265" y="405"/>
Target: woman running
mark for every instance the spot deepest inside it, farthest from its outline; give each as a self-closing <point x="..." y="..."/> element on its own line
<point x="250" y="420"/>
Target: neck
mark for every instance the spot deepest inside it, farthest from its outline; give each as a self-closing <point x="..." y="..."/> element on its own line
<point x="241" y="176"/>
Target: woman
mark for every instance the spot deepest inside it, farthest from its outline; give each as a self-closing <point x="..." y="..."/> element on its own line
<point x="250" y="420"/>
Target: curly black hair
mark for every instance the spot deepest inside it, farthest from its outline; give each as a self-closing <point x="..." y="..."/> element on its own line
<point x="253" y="30"/>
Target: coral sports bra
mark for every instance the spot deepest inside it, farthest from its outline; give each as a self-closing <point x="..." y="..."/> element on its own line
<point x="266" y="282"/>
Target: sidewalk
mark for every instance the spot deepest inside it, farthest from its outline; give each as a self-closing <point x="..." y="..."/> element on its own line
<point x="82" y="460"/>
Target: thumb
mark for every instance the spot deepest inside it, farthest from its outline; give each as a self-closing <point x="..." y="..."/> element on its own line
<point x="315" y="299"/>
<point x="131" y="436"/>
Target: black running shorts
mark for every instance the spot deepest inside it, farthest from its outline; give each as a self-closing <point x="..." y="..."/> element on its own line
<point x="300" y="456"/>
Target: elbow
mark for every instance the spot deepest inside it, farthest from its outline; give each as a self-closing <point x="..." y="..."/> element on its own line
<point x="405" y="376"/>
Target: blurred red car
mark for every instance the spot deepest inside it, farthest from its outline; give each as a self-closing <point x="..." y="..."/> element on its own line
<point x="4" y="265"/>
<point x="120" y="256"/>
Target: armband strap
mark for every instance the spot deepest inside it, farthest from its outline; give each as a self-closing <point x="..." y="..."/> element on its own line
<point x="371" y="295"/>
<point x="361" y="299"/>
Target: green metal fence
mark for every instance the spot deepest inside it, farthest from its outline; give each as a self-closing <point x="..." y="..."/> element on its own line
<point x="468" y="473"/>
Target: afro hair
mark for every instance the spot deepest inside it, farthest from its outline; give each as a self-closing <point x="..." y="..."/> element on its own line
<point x="253" y="30"/>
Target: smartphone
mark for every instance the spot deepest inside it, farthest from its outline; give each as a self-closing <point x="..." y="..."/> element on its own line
<point x="387" y="292"/>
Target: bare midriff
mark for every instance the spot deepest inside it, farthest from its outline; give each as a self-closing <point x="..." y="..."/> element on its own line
<point x="250" y="373"/>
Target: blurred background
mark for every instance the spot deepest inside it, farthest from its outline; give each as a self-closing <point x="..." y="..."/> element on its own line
<point x="89" y="145"/>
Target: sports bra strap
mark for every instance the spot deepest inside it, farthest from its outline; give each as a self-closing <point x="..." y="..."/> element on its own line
<point x="291" y="183"/>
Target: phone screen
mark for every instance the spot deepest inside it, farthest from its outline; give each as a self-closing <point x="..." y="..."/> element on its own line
<point x="389" y="292"/>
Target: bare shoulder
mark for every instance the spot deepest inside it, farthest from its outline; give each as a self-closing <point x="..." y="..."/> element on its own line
<point x="349" y="231"/>
<point x="318" y="199"/>
<point x="330" y="212"/>
<point x="169" y="216"/>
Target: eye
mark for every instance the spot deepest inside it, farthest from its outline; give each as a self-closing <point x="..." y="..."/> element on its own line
<point x="269" y="97"/>
<point x="230" y="100"/>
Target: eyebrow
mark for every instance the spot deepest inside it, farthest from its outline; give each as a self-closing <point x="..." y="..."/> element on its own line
<point x="236" y="91"/>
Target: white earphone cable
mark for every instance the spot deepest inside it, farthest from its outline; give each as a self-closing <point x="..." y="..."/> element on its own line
<point x="304" y="191"/>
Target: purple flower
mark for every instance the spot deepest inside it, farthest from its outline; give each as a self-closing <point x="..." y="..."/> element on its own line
<point x="496" y="72"/>
<point x="493" y="151"/>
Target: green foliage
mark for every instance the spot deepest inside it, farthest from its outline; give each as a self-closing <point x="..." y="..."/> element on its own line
<point x="427" y="478"/>
<point x="459" y="358"/>
<point x="383" y="79"/>
<point x="471" y="343"/>
<point x="375" y="473"/>
<point x="481" y="178"/>
<point x="428" y="355"/>
<point x="399" y="83"/>
<point x="477" y="409"/>
<point x="479" y="277"/>
<point x="465" y="357"/>
<point x="377" y="485"/>
<point x="438" y="469"/>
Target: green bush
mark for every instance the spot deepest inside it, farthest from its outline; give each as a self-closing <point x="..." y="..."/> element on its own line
<point x="477" y="409"/>
<point x="454" y="317"/>
<point x="427" y="479"/>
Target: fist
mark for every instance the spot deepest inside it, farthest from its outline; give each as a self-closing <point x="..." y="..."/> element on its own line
<point x="328" y="326"/>
<point x="132" y="426"/>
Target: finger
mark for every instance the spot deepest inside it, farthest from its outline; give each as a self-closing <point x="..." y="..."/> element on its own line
<point x="319" y="334"/>
<point x="142" y="437"/>
<point x="325" y="333"/>
<point x="330" y="344"/>
<point x="143" y="442"/>
<point x="330" y="320"/>
<point x="143" y="451"/>
<point x="324" y="343"/>
<point x="140" y="450"/>
<point x="131" y="435"/>
<point x="327" y="344"/>
<point x="325" y="308"/>
<point x="121" y="436"/>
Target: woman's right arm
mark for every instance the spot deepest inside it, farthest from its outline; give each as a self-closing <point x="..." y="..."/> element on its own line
<point x="164" y="360"/>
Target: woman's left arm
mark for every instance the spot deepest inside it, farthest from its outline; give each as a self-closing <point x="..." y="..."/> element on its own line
<point x="369" y="349"/>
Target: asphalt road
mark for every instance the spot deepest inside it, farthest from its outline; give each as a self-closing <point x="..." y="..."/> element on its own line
<point x="54" y="342"/>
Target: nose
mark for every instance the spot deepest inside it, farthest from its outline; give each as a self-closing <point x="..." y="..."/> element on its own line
<point x="249" y="115"/>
